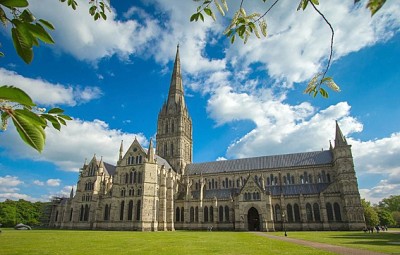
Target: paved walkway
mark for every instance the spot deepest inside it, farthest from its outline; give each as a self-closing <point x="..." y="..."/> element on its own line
<point x="322" y="246"/>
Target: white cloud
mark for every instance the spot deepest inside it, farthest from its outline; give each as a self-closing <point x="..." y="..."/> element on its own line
<point x="10" y="181"/>
<point x="15" y="196"/>
<point x="221" y="158"/>
<point x="76" y="141"/>
<point x="46" y="93"/>
<point x="382" y="190"/>
<point x="53" y="182"/>
<point x="79" y="35"/>
<point x="298" y="43"/>
<point x="39" y="183"/>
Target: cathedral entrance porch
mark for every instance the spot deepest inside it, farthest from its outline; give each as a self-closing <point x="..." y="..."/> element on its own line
<point x="253" y="219"/>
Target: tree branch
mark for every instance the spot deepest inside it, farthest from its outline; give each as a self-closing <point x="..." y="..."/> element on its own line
<point x="333" y="33"/>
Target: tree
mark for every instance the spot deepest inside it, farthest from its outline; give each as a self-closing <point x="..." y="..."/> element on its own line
<point x="396" y="217"/>
<point x="386" y="218"/>
<point x="391" y="203"/>
<point x="243" y="25"/>
<point x="370" y="215"/>
<point x="21" y="211"/>
<point x="29" y="120"/>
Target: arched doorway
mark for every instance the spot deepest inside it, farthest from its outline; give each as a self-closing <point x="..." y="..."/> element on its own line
<point x="253" y="219"/>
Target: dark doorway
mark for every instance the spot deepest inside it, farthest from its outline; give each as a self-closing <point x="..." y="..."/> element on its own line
<point x="253" y="219"/>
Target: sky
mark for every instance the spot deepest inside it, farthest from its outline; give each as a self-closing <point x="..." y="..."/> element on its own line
<point x="245" y="100"/>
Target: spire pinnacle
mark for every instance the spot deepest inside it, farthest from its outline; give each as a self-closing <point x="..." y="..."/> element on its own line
<point x="340" y="140"/>
<point x="150" y="152"/>
<point x="175" y="95"/>
<point x="121" y="149"/>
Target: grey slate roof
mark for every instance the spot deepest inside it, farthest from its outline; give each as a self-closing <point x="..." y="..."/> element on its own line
<point x="161" y="161"/>
<point x="218" y="193"/>
<point x="110" y="168"/>
<point x="305" y="189"/>
<point x="264" y="162"/>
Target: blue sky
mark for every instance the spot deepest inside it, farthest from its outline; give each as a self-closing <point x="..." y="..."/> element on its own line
<point x="245" y="100"/>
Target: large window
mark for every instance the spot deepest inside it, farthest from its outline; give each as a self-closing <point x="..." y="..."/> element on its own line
<point x="226" y="213"/>
<point x="296" y="213"/>
<point x="221" y="213"/>
<point x="289" y="213"/>
<point x="191" y="214"/>
<point x="138" y="210"/>
<point x="329" y="211"/>
<point x="309" y="212"/>
<point x="317" y="215"/>
<point x="121" y="210"/>
<point x="338" y="215"/>
<point x="130" y="210"/>
<point x="177" y="214"/>
<point x="205" y="214"/>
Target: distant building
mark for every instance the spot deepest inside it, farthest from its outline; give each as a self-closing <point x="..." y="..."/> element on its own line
<point x="151" y="190"/>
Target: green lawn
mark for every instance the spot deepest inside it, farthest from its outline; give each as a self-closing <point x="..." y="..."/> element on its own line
<point x="118" y="242"/>
<point x="386" y="242"/>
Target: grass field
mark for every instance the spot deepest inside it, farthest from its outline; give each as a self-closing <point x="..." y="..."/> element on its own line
<point x="114" y="242"/>
<point x="182" y="242"/>
<point x="386" y="242"/>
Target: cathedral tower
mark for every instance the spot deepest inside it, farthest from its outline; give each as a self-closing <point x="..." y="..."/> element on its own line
<point x="174" y="127"/>
<point x="353" y="212"/>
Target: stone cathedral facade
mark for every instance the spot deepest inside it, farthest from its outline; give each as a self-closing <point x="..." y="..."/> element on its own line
<point x="159" y="188"/>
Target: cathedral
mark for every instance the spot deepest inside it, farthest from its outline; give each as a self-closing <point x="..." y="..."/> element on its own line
<point x="160" y="189"/>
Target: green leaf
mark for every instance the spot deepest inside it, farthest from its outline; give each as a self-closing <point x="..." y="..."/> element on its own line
<point x="56" y="111"/>
<point x="323" y="92"/>
<point x="3" y="16"/>
<point x="62" y="121"/>
<point x="194" y="17"/>
<point x="103" y="15"/>
<point x="315" y="2"/>
<point x="53" y="120"/>
<point x="14" y="3"/>
<point x="233" y="39"/>
<point x="375" y="5"/>
<point x="47" y="24"/>
<point x="65" y="117"/>
<point x="208" y="11"/>
<point x="23" y="48"/>
<point x="39" y="32"/>
<point x="92" y="10"/>
<point x="31" y="117"/>
<point x="30" y="133"/>
<point x="201" y="16"/>
<point x="16" y="95"/>
<point x="27" y="16"/>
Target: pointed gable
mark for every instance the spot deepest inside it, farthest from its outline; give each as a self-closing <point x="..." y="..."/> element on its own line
<point x="134" y="155"/>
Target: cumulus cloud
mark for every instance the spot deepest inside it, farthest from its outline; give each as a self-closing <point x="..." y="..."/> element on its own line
<point x="53" y="182"/>
<point x="76" y="141"/>
<point x="10" y="181"/>
<point x="9" y="189"/>
<point x="91" y="40"/>
<point x="46" y="93"/>
<point x="298" y="43"/>
<point x="382" y="190"/>
<point x="39" y="183"/>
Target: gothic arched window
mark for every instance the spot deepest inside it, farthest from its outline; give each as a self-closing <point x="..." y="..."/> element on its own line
<point x="329" y="211"/>
<point x="309" y="212"/>
<point x="130" y="210"/>
<point x="317" y="216"/>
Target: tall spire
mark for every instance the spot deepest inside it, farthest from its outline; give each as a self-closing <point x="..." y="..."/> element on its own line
<point x="340" y="140"/>
<point x="175" y="94"/>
